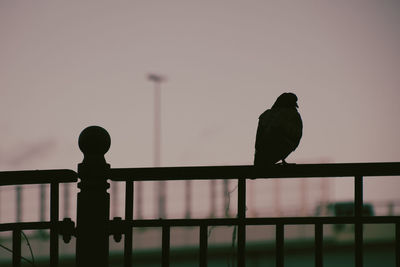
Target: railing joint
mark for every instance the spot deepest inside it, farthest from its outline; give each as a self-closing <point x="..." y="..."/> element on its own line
<point x="67" y="229"/>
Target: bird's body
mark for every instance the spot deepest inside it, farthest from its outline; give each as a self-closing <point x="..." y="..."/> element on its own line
<point x="279" y="131"/>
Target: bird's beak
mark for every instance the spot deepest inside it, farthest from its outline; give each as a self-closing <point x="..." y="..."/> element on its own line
<point x="297" y="105"/>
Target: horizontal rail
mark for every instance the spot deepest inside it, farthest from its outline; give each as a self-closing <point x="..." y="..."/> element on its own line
<point x="37" y="177"/>
<point x="259" y="221"/>
<point x="27" y="225"/>
<point x="249" y="171"/>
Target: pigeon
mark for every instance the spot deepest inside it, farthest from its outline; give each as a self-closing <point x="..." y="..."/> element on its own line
<point x="279" y="131"/>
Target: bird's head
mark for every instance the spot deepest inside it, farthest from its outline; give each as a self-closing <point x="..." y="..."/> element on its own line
<point x="286" y="100"/>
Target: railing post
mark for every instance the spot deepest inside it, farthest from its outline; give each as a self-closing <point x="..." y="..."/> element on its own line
<point x="358" y="226"/>
<point x="16" y="259"/>
<point x="54" y="217"/>
<point x="203" y="245"/>
<point x="280" y="231"/>
<point x="93" y="200"/>
<point x="241" y="259"/>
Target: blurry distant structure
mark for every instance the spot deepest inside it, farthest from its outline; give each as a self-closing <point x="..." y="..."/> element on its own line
<point x="160" y="191"/>
<point x="29" y="152"/>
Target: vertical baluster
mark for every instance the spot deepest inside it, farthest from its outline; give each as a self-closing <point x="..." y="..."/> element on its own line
<point x="203" y="245"/>
<point x="279" y="245"/>
<point x="358" y="210"/>
<point x="398" y="244"/>
<point x="54" y="215"/>
<point x="114" y="200"/>
<point x="165" y="245"/>
<point x="241" y="226"/>
<point x="16" y="247"/>
<point x="128" y="217"/>
<point x="318" y="244"/>
<point x="66" y="201"/>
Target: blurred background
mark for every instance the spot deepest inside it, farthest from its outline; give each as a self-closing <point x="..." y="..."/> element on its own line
<point x="66" y="66"/>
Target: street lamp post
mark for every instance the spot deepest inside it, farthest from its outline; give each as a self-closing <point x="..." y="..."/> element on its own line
<point x="158" y="79"/>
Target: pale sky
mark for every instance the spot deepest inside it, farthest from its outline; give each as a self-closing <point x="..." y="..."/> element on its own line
<point x="68" y="65"/>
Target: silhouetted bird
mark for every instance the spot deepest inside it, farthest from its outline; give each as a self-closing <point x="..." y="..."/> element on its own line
<point x="279" y="131"/>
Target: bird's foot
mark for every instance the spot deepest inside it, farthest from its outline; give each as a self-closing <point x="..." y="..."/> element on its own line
<point x="284" y="163"/>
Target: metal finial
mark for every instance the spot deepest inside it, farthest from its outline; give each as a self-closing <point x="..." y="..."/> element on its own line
<point x="94" y="140"/>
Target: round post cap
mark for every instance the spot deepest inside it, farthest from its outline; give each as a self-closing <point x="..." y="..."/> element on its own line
<point x="94" y="140"/>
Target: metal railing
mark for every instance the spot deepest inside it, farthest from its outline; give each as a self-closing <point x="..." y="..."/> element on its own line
<point x="56" y="227"/>
<point x="356" y="171"/>
<point x="93" y="226"/>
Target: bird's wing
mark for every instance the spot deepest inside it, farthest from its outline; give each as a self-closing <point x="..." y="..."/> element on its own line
<point x="267" y="128"/>
<point x="292" y="126"/>
<point x="283" y="126"/>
